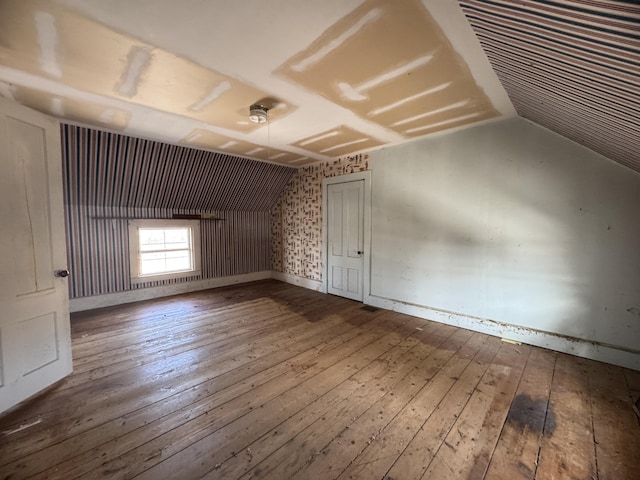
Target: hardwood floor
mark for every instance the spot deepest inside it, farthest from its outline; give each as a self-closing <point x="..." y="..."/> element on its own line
<point x="268" y="380"/>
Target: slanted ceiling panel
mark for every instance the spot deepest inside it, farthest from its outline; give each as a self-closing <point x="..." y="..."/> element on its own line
<point x="572" y="66"/>
<point x="108" y="169"/>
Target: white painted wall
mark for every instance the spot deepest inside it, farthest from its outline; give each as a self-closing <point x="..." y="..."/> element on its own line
<point x="511" y="223"/>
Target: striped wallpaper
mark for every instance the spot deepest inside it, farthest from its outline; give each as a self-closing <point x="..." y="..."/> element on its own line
<point x="116" y="170"/>
<point x="572" y="66"/>
<point x="110" y="178"/>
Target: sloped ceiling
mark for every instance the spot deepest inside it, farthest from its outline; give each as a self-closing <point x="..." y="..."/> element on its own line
<point x="339" y="76"/>
<point x="109" y="169"/>
<point x="572" y="66"/>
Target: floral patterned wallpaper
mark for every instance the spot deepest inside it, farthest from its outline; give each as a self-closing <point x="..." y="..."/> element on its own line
<point x="296" y="218"/>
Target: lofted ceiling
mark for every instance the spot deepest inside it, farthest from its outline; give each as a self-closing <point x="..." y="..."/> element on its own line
<point x="339" y="77"/>
<point x="572" y="66"/>
<point x="130" y="172"/>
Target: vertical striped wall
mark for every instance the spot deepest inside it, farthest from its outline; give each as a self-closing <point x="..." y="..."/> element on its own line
<point x="98" y="246"/>
<point x="572" y="66"/>
<point x="110" y="169"/>
<point x="110" y="178"/>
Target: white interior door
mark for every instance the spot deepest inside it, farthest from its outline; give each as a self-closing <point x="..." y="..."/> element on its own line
<point x="345" y="259"/>
<point x="35" y="340"/>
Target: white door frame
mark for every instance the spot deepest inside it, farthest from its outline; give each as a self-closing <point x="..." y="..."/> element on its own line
<point x="366" y="272"/>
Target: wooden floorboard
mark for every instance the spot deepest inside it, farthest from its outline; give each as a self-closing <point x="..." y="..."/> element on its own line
<point x="272" y="381"/>
<point x="516" y="456"/>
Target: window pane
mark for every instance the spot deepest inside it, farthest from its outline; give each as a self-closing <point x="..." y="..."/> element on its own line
<point x="153" y="239"/>
<point x="164" y="262"/>
<point x="177" y="264"/>
<point x="152" y="266"/>
<point x="177" y="236"/>
<point x="150" y="238"/>
<point x="165" y="250"/>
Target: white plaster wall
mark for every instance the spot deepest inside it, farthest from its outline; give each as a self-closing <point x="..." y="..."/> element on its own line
<point x="512" y="223"/>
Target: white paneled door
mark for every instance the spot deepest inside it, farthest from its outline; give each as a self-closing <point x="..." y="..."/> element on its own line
<point x="345" y="236"/>
<point x="35" y="340"/>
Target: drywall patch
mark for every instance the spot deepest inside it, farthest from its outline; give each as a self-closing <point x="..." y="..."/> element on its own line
<point x="138" y="61"/>
<point x="300" y="161"/>
<point x="87" y="54"/>
<point x="213" y="95"/>
<point x="339" y="141"/>
<point x="449" y="123"/>
<point x="216" y="141"/>
<point x="370" y="16"/>
<point x="430" y="113"/>
<point x="73" y="109"/>
<point x="407" y="76"/>
<point x="48" y="43"/>
<point x="358" y="93"/>
<point x="409" y="99"/>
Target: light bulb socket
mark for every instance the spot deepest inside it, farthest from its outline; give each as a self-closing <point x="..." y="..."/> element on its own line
<point x="258" y="113"/>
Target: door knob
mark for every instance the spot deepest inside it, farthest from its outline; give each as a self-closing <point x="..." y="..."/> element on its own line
<point x="360" y="252"/>
<point x="61" y="273"/>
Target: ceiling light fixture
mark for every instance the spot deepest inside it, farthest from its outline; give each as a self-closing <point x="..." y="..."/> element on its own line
<point x="258" y="113"/>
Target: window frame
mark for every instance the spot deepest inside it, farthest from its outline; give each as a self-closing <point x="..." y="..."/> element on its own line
<point x="134" y="249"/>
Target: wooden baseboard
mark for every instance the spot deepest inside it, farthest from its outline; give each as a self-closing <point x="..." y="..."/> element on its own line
<point x="553" y="341"/>
<point x="111" y="299"/>
<point x="591" y="349"/>
<point x="295" y="280"/>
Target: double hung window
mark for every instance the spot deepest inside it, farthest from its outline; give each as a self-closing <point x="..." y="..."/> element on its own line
<point x="164" y="249"/>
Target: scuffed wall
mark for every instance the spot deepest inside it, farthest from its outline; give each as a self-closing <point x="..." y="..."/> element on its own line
<point x="510" y="223"/>
<point x="502" y="224"/>
<point x="296" y="218"/>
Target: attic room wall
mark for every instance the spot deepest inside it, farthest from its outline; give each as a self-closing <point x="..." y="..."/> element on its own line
<point x="511" y="223"/>
<point x="296" y="218"/>
<point x="110" y="178"/>
<point x="98" y="247"/>
<point x="505" y="228"/>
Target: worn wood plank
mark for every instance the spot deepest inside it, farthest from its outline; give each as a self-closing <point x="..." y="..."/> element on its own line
<point x="171" y="412"/>
<point x="568" y="449"/>
<point x="180" y="405"/>
<point x="311" y="442"/>
<point x="467" y="448"/>
<point x="616" y="429"/>
<point x="285" y="398"/>
<point x="269" y="380"/>
<point x="379" y="455"/>
<point x="192" y="422"/>
<point x="516" y="454"/>
<point x="633" y="381"/>
<point x="414" y="459"/>
<point x="194" y="368"/>
<point x="336" y="407"/>
<point x="366" y="429"/>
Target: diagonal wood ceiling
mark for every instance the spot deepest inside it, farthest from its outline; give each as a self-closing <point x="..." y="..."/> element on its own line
<point x="572" y="66"/>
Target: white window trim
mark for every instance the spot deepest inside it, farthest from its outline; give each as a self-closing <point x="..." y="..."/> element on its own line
<point x="134" y="263"/>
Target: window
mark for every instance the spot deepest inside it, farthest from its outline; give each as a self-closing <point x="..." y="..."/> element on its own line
<point x="163" y="249"/>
